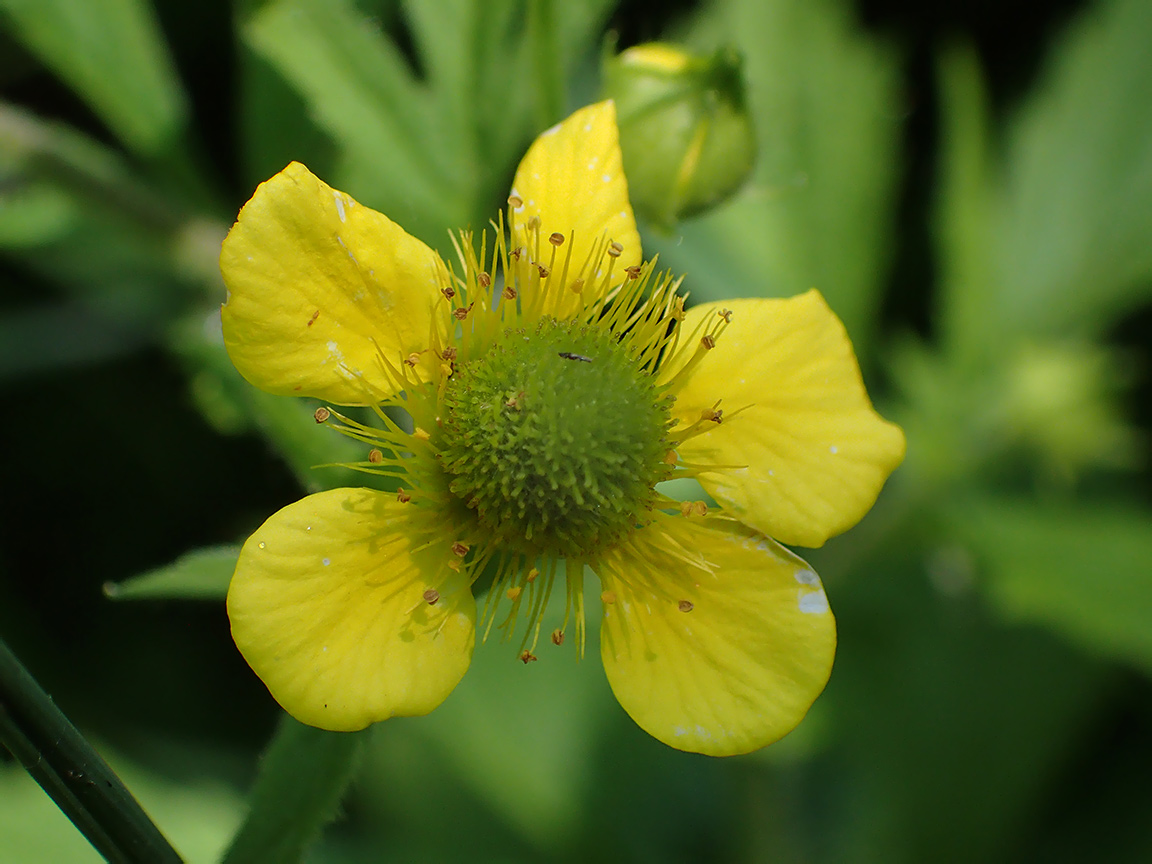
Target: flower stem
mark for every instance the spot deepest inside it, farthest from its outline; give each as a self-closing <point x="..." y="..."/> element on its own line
<point x="302" y="780"/>
<point x="73" y="773"/>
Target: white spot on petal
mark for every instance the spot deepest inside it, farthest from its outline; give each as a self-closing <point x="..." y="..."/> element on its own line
<point x="607" y="178"/>
<point x="813" y="602"/>
<point x="551" y="131"/>
<point x="339" y="206"/>
<point x="327" y="561"/>
<point x="587" y="127"/>
<point x="806" y="577"/>
<point x="833" y="449"/>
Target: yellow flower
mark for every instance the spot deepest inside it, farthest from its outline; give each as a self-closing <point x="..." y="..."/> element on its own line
<point x="529" y="400"/>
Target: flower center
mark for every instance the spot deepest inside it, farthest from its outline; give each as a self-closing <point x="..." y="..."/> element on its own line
<point x="556" y="438"/>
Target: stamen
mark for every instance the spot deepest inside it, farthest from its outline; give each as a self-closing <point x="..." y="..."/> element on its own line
<point x="375" y="456"/>
<point x="557" y="636"/>
<point x="527" y="657"/>
<point x="685" y="605"/>
<point x="322" y="414"/>
<point x="402" y="496"/>
<point x="431" y="596"/>
<point x="459" y="549"/>
<point x="556" y="239"/>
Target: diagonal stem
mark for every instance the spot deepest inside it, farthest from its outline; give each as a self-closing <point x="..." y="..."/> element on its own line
<point x="75" y="776"/>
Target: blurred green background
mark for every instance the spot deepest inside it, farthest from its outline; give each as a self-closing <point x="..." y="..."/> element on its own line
<point x="970" y="186"/>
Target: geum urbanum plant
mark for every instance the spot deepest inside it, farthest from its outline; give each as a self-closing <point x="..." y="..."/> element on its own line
<point x="530" y="401"/>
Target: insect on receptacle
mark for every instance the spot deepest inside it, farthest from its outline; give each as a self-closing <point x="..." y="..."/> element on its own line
<point x="568" y="355"/>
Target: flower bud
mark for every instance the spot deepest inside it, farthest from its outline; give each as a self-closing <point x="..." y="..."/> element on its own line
<point x="685" y="131"/>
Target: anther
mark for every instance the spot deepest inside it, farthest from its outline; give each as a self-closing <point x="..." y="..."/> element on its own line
<point x="375" y="456"/>
<point x="514" y="592"/>
<point x="515" y="253"/>
<point x="608" y="597"/>
<point x="685" y="508"/>
<point x="509" y="293"/>
<point x="448" y="291"/>
<point x="420" y="434"/>
<point x="615" y="249"/>
<point x="633" y="271"/>
<point x="322" y="414"/>
<point x="670" y="458"/>
<point x="461" y="312"/>
<point x="459" y="549"/>
<point x="412" y="359"/>
<point x="484" y="280"/>
<point x="448" y="354"/>
<point x="431" y="596"/>
<point x="685" y="605"/>
<point x="544" y="271"/>
<point x="577" y="286"/>
<point x="527" y="657"/>
<point x="557" y="636"/>
<point x="699" y="508"/>
<point x="534" y="223"/>
<point x="708" y="341"/>
<point x="712" y="414"/>
<point x="532" y="574"/>
<point x="315" y="315"/>
<point x="402" y="496"/>
<point x="515" y="202"/>
<point x="556" y="239"/>
<point x="726" y="314"/>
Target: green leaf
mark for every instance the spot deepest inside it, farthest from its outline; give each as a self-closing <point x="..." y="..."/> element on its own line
<point x="513" y="764"/>
<point x="963" y="224"/>
<point x="819" y="212"/>
<point x="302" y="780"/>
<point x="1083" y="571"/>
<point x="1056" y="239"/>
<point x="112" y="53"/>
<point x="949" y="725"/>
<point x="202" y="574"/>
<point x="397" y="154"/>
<point x="1077" y="240"/>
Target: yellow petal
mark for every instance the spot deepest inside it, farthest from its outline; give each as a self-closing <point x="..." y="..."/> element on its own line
<point x="318" y="285"/>
<point x="715" y="639"/>
<point x="813" y="452"/>
<point x="572" y="178"/>
<point x="328" y="607"/>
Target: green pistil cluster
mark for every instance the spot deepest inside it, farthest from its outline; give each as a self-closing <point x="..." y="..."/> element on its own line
<point x="556" y="438"/>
